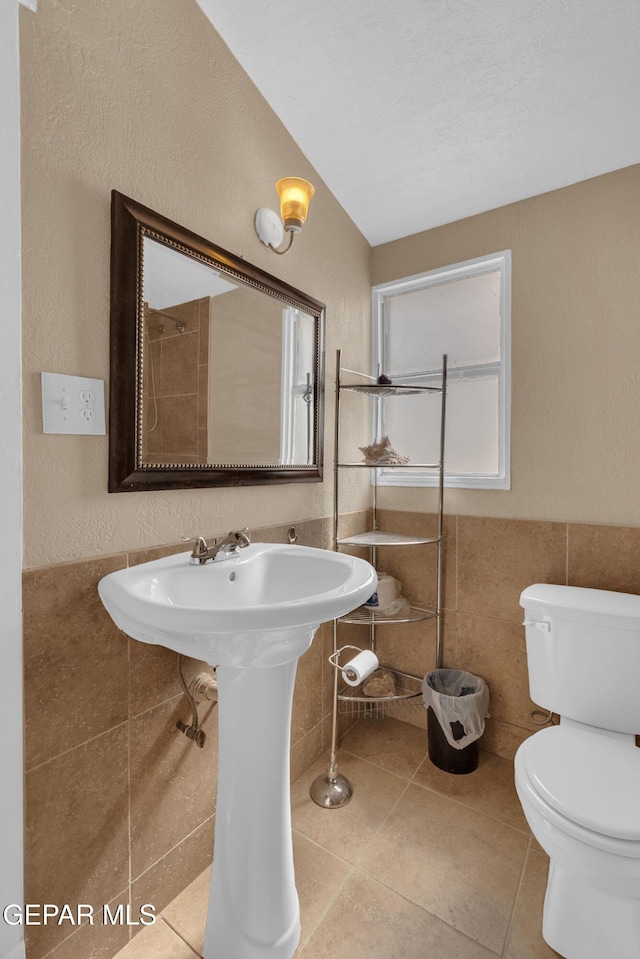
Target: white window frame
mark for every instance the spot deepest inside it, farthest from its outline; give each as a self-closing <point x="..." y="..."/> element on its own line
<point x="292" y="389"/>
<point x="380" y="350"/>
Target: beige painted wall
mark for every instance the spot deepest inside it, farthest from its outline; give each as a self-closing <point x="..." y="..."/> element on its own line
<point x="575" y="430"/>
<point x="145" y="98"/>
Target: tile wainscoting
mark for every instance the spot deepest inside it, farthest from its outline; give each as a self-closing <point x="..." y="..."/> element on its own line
<point x="487" y="564"/>
<point x="120" y="806"/>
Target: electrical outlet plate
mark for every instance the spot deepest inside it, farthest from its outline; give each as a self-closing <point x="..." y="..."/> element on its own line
<point x="72" y="404"/>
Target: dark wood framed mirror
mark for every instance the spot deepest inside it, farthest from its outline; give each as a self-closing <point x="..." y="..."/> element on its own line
<point x="216" y="374"/>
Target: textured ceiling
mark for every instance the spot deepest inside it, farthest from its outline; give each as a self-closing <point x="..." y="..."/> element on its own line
<point x="420" y="112"/>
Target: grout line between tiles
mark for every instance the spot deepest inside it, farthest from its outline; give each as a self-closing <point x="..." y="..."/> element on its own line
<point x="325" y="849"/>
<point x="77" y="929"/>
<point x="456" y="578"/>
<point x="412" y="779"/>
<point x="415" y="905"/>
<point x="517" y="897"/>
<point x="480" y="812"/>
<point x="407" y="783"/>
<point x="164" y="855"/>
<point x="304" y="736"/>
<point x="497" y="619"/>
<point x="179" y="935"/>
<point x="65" y="752"/>
<point x="51" y="954"/>
<point x="383" y="769"/>
<point x="155" y="705"/>
<point x="381" y="825"/>
<point x="338" y="892"/>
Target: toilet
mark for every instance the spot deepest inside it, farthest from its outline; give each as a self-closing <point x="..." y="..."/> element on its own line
<point x="579" y="781"/>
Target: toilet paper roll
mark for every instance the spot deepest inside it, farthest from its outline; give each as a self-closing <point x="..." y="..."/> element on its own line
<point x="360" y="667"/>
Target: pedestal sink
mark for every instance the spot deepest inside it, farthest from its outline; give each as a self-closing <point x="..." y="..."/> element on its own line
<point x="252" y="615"/>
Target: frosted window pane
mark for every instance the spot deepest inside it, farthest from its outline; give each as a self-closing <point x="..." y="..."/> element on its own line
<point x="459" y="317"/>
<point x="463" y="310"/>
<point x="413" y="426"/>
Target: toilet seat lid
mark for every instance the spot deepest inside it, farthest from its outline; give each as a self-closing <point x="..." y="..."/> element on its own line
<point x="587" y="777"/>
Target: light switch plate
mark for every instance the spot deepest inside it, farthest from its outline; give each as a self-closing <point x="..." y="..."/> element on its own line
<point x="72" y="404"/>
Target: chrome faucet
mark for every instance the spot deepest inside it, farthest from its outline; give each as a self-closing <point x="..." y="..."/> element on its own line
<point x="231" y="543"/>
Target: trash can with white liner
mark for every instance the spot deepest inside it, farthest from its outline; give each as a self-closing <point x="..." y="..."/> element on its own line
<point x="457" y="704"/>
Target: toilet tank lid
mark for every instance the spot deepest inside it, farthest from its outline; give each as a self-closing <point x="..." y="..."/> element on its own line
<point x="582" y="604"/>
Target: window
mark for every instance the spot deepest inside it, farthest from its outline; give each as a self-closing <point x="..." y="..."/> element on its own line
<point x="297" y="405"/>
<point x="464" y="311"/>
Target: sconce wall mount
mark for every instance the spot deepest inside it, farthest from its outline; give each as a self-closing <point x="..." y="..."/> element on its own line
<point x="295" y="195"/>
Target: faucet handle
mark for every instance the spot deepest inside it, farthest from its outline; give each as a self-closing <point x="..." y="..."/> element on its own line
<point x="238" y="538"/>
<point x="200" y="551"/>
<point x="195" y="538"/>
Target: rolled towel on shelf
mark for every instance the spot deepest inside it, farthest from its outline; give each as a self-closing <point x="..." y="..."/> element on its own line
<point x="386" y="594"/>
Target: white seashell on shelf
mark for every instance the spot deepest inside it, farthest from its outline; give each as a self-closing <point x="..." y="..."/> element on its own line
<point x="382" y="453"/>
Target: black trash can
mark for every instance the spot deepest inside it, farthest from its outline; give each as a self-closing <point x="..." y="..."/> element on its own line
<point x="466" y="719"/>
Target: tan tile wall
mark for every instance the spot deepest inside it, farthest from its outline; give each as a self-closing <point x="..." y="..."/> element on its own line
<point x="119" y="804"/>
<point x="487" y="564"/>
<point x="176" y="385"/>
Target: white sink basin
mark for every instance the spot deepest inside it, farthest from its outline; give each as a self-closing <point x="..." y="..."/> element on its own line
<point x="224" y="611"/>
<point x="256" y="608"/>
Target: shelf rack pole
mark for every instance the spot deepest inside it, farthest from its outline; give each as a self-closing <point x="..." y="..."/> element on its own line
<point x="331" y="789"/>
<point x="336" y="449"/>
<point x="374" y="526"/>
<point x="443" y="410"/>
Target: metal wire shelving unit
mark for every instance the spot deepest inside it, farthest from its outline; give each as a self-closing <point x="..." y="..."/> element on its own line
<point x="335" y="790"/>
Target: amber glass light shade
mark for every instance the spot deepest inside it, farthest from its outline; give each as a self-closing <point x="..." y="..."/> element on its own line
<point x="295" y="195"/>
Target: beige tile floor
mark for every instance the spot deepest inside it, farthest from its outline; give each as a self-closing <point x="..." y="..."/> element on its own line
<point x="418" y="864"/>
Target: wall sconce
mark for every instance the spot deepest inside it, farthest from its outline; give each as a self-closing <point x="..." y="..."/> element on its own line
<point x="295" y="195"/>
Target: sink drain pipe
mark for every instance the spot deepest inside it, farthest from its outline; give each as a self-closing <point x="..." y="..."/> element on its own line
<point x="193" y="732"/>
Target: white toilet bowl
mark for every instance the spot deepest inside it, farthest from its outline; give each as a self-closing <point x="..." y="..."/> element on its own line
<point x="580" y="792"/>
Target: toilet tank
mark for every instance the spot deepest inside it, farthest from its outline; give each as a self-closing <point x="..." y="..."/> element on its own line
<point x="583" y="654"/>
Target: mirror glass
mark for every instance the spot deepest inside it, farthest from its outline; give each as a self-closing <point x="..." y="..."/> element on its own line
<point x="228" y="373"/>
<point x="228" y="364"/>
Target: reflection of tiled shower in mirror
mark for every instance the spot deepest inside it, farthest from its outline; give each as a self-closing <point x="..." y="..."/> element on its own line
<point x="228" y="371"/>
<point x="176" y="383"/>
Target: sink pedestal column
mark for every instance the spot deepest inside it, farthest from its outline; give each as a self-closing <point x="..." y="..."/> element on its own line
<point x="252" y="614"/>
<point x="253" y="903"/>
